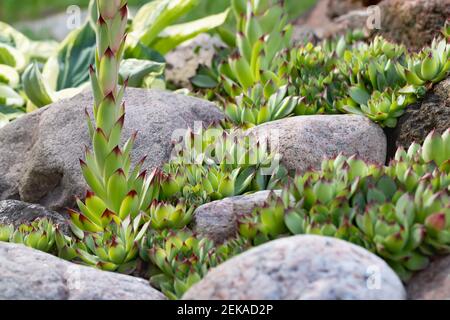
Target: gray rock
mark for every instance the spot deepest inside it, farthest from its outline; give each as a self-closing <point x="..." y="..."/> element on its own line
<point x="432" y="283"/>
<point x="217" y="220"/>
<point x="303" y="142"/>
<point x="17" y="212"/>
<point x="432" y="113"/>
<point x="301" y="267"/>
<point x="183" y="62"/>
<point x="39" y="152"/>
<point x="33" y="275"/>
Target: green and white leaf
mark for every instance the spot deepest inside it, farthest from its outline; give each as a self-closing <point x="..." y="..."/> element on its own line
<point x="65" y="74"/>
<point x="39" y="50"/>
<point x="12" y="57"/>
<point x="68" y="67"/>
<point x="136" y="71"/>
<point x="172" y="36"/>
<point x="154" y="17"/>
<point x="36" y="87"/>
<point x="9" y="76"/>
<point x="9" y="97"/>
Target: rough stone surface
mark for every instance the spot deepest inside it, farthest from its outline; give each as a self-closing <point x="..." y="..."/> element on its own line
<point x="299" y="268"/>
<point x="413" y="22"/>
<point x="39" y="152"/>
<point x="304" y="34"/>
<point x="433" y="283"/>
<point x="332" y="18"/>
<point x="315" y="19"/>
<point x="33" y="275"/>
<point x="217" y="220"/>
<point x="433" y="112"/>
<point x="182" y="62"/>
<point x="337" y="8"/>
<point x="17" y="212"/>
<point x="305" y="141"/>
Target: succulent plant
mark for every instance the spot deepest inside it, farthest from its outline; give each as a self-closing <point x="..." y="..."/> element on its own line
<point x="381" y="107"/>
<point x="39" y="234"/>
<point x="262" y="31"/>
<point x="213" y="164"/>
<point x="431" y="65"/>
<point x="255" y="110"/>
<point x="166" y="216"/>
<point x="114" y="249"/>
<point x="446" y="30"/>
<point x="181" y="258"/>
<point x="400" y="212"/>
<point x="118" y="191"/>
<point x="6" y="232"/>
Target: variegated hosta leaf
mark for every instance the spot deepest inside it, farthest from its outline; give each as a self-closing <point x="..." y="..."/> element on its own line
<point x="39" y="50"/>
<point x="154" y="17"/>
<point x="9" y="76"/>
<point x="172" y="36"/>
<point x="136" y="71"/>
<point x="12" y="57"/>
<point x="36" y="87"/>
<point x="65" y="74"/>
<point x="9" y="97"/>
<point x="68" y="67"/>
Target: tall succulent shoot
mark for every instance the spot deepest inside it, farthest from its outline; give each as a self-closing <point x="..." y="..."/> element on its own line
<point x="118" y="193"/>
<point x="252" y="72"/>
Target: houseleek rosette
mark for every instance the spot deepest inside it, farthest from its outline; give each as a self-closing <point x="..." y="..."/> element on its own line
<point x="399" y="212"/>
<point x="118" y="193"/>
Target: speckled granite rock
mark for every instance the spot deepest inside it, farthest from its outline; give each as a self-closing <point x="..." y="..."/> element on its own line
<point x="27" y="274"/>
<point x="182" y="62"/>
<point x="218" y="219"/>
<point x="432" y="283"/>
<point x="305" y="141"/>
<point x="39" y="152"/>
<point x="17" y="212"/>
<point x="301" y="267"/>
<point x="433" y="112"/>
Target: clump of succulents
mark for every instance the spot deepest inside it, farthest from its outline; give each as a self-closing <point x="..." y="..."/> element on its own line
<point x="263" y="105"/>
<point x="254" y="90"/>
<point x="399" y="212"/>
<point x="213" y="164"/>
<point x="182" y="258"/>
<point x="431" y="65"/>
<point x="262" y="31"/>
<point x="39" y="234"/>
<point x="167" y="216"/>
<point x="116" y="248"/>
<point x="377" y="80"/>
<point x="381" y="107"/>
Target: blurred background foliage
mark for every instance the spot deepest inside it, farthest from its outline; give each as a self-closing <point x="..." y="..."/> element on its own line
<point x="12" y="11"/>
<point x="18" y="10"/>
